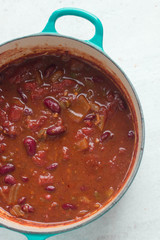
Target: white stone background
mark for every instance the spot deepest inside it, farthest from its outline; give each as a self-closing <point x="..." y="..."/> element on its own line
<point x="132" y="39"/>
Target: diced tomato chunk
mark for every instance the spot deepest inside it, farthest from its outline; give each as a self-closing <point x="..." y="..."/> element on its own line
<point x="68" y="83"/>
<point x="93" y="162"/>
<point x="39" y="158"/>
<point x="87" y="131"/>
<point x="79" y="134"/>
<point x="82" y="144"/>
<point x="35" y="125"/>
<point x="65" y="151"/>
<point x="39" y="93"/>
<point x="46" y="179"/>
<point x="57" y="87"/>
<point x="2" y="99"/>
<point x="88" y="123"/>
<point x="19" y="76"/>
<point x="30" y="86"/>
<point x="6" y="106"/>
<point x="3" y="116"/>
<point x="11" y="131"/>
<point x="15" y="113"/>
<point x="1" y="137"/>
<point x="61" y="86"/>
<point x="2" y="147"/>
<point x="7" y="124"/>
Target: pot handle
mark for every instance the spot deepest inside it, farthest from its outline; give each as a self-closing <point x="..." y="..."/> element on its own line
<point x="31" y="236"/>
<point x="97" y="39"/>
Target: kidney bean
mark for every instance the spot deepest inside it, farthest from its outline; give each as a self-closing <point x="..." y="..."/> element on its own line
<point x="55" y="130"/>
<point x="9" y="179"/>
<point x="22" y="200"/>
<point x="106" y="135"/>
<point x="52" y="104"/>
<point x="90" y="116"/>
<point x="131" y="134"/>
<point x="67" y="206"/>
<point x="7" y="168"/>
<point x="30" y="145"/>
<point x="28" y="111"/>
<point x="52" y="166"/>
<point x="27" y="208"/>
<point x="22" y="95"/>
<point x="50" y="188"/>
<point x="25" y="179"/>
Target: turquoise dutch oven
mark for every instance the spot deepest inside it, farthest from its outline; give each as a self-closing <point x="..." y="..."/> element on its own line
<point x="50" y="40"/>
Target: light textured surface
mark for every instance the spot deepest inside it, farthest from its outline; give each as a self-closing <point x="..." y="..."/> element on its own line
<point x="132" y="39"/>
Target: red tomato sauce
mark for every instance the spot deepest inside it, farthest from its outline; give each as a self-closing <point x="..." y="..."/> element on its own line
<point x="67" y="139"/>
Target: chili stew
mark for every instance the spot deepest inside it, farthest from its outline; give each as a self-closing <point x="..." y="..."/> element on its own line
<point x="67" y="138"/>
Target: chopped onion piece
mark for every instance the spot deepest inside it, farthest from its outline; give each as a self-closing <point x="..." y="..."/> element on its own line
<point x="56" y="76"/>
<point x="100" y="121"/>
<point x="13" y="194"/>
<point x="94" y="107"/>
<point x="79" y="109"/>
<point x="16" y="211"/>
<point x="3" y="195"/>
<point x="82" y="144"/>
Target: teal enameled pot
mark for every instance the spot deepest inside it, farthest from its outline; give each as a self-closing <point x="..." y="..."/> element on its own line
<point x="92" y="50"/>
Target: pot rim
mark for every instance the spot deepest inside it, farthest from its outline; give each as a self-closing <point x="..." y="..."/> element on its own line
<point x="107" y="207"/>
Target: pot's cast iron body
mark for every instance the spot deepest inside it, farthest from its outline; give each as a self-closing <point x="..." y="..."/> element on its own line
<point x="49" y="41"/>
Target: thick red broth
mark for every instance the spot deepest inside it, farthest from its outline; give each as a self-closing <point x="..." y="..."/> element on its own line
<point x="66" y="139"/>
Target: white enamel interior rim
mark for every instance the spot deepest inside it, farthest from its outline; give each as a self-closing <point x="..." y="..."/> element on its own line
<point x="31" y="44"/>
